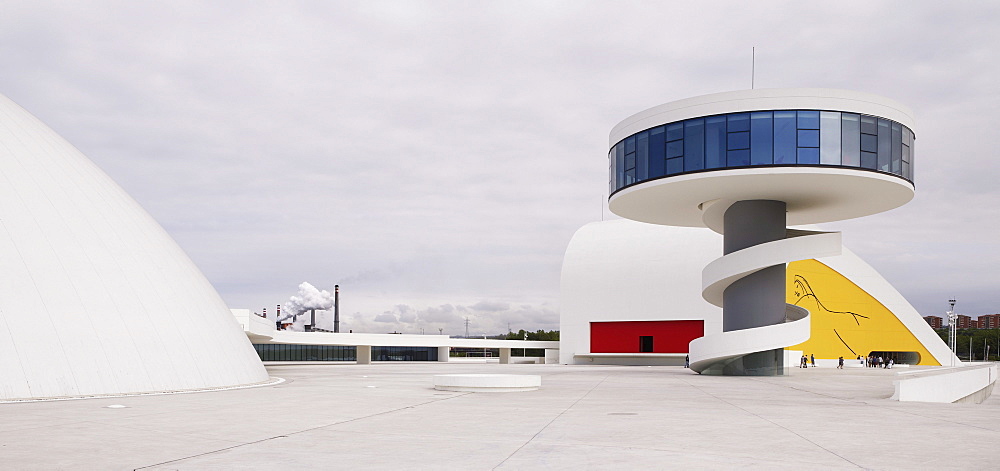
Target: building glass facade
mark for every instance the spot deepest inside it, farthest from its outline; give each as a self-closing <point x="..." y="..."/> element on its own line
<point x="763" y="139"/>
<point x="294" y="352"/>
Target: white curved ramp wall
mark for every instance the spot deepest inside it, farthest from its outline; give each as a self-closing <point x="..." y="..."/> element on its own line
<point x="95" y="297"/>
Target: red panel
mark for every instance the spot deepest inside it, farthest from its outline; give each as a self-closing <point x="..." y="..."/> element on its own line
<point x="623" y="337"/>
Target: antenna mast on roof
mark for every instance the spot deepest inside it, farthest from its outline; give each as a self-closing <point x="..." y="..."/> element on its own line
<point x="753" y="64"/>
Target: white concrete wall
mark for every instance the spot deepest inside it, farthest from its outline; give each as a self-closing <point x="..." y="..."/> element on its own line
<point x="622" y="270"/>
<point x="95" y="297"/>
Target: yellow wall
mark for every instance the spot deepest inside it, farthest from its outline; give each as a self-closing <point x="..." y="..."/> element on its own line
<point x="838" y="306"/>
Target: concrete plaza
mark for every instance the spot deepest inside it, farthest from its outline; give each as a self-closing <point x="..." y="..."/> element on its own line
<point x="387" y="416"/>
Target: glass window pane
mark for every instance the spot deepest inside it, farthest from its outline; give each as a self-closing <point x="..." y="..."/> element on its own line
<point x="675" y="149"/>
<point x="675" y="131"/>
<point x="739" y="140"/>
<point x="784" y="137"/>
<point x="906" y="171"/>
<point x="850" y="139"/>
<point x="869" y="143"/>
<point x="629" y="144"/>
<point x="656" y="152"/>
<point x="868" y="125"/>
<point x="897" y="151"/>
<point x="883" y="145"/>
<point x="629" y="161"/>
<point x="829" y="138"/>
<point x="869" y="159"/>
<point x="808" y="155"/>
<point x="808" y="120"/>
<point x="738" y="122"/>
<point x="630" y="176"/>
<point x="738" y="158"/>
<point x="611" y="171"/>
<point x="761" y="138"/>
<point x="620" y="166"/>
<point x="641" y="156"/>
<point x="675" y="165"/>
<point x="715" y="142"/>
<point x="808" y="138"/>
<point x="694" y="144"/>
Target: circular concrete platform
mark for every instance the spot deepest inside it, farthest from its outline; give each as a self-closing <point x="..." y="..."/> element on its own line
<point x="487" y="382"/>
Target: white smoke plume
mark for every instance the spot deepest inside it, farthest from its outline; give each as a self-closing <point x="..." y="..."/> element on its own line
<point x="308" y="298"/>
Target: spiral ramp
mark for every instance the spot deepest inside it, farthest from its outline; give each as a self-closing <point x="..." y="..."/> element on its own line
<point x="714" y="351"/>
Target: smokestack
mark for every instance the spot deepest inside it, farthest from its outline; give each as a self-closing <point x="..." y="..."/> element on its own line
<point x="336" y="308"/>
<point x="312" y="320"/>
<point x="277" y="318"/>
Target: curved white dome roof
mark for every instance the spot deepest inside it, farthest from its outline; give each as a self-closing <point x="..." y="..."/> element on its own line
<point x="95" y="297"/>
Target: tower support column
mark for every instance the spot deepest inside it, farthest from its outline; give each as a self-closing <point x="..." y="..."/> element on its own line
<point x="758" y="299"/>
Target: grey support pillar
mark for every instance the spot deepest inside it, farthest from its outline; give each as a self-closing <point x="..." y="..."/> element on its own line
<point x="758" y="299"/>
<point x="504" y="356"/>
<point x="444" y="353"/>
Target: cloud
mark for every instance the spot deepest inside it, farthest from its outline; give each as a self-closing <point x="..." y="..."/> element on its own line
<point x="490" y="306"/>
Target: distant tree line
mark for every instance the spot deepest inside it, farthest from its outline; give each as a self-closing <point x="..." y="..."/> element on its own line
<point x="536" y="335"/>
<point x="978" y="339"/>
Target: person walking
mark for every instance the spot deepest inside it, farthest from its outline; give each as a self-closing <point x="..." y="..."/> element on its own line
<point x="687" y="361"/>
<point x="812" y="359"/>
<point x="840" y="363"/>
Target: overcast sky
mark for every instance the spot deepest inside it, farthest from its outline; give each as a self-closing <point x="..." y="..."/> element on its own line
<point x="435" y="158"/>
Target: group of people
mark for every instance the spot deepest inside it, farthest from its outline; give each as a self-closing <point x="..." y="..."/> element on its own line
<point x="806" y="362"/>
<point x="873" y="361"/>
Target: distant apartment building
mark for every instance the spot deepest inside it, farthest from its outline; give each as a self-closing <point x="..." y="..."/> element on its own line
<point x="989" y="321"/>
<point x="963" y="322"/>
<point x="936" y="322"/>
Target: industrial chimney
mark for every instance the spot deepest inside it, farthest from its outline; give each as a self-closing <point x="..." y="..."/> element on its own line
<point x="336" y="308"/>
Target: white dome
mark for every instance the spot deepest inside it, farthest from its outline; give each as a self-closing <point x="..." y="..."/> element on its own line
<point x="95" y="297"/>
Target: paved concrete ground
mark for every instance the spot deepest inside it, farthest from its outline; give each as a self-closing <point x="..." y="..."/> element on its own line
<point x="387" y="416"/>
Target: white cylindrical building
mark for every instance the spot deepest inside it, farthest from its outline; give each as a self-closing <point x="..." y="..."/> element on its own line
<point x="747" y="164"/>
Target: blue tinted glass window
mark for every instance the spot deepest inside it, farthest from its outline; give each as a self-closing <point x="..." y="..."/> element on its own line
<point x="715" y="142"/>
<point x="739" y="140"/>
<point x="761" y="138"/>
<point x="630" y="161"/>
<point x="850" y="139"/>
<point x="868" y="125"/>
<point x="906" y="171"/>
<point x="656" y="152"/>
<point x="808" y="120"/>
<point x="675" y="149"/>
<point x="869" y="143"/>
<point x="611" y="170"/>
<point x="736" y="158"/>
<point x="884" y="137"/>
<point x="620" y="165"/>
<point x="829" y="138"/>
<point x="675" y="165"/>
<point x="675" y="131"/>
<point x="897" y="141"/>
<point x="808" y="155"/>
<point x="629" y="144"/>
<point x="642" y="156"/>
<point x="869" y="159"/>
<point x="630" y="176"/>
<point x="808" y="138"/>
<point x="784" y="137"/>
<point x="738" y="122"/>
<point x="694" y="144"/>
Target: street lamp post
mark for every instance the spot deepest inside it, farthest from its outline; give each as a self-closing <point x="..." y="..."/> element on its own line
<point x="952" y="341"/>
